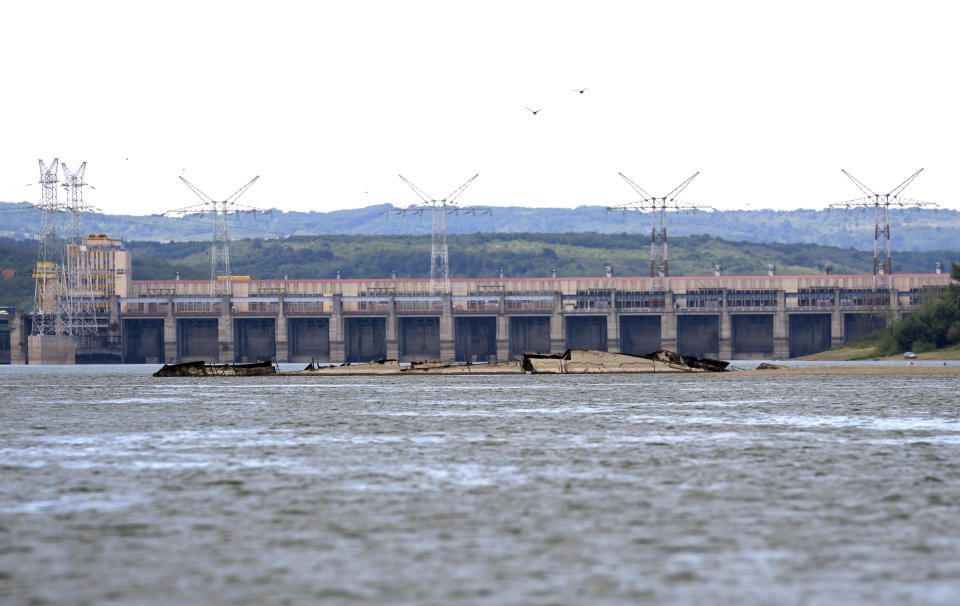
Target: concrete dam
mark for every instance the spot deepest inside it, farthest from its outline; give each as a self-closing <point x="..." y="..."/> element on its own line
<point x="485" y="320"/>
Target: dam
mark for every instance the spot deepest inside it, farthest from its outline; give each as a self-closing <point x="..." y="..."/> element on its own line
<point x="480" y="320"/>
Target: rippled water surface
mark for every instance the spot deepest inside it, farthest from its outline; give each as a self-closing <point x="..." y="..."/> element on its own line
<point x="119" y="488"/>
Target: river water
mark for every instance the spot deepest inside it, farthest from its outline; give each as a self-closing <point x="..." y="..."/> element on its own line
<point x="118" y="488"/>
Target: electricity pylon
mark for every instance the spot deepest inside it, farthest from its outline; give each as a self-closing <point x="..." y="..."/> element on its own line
<point x="221" y="280"/>
<point x="439" y="257"/>
<point x="882" y="262"/>
<point x="658" y="207"/>
<point x="79" y="289"/>
<point x="73" y="184"/>
<point x="51" y="315"/>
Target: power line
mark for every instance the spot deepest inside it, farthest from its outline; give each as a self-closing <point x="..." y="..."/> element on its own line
<point x="882" y="262"/>
<point x="658" y="207"/>
<point x="221" y="279"/>
<point x="439" y="209"/>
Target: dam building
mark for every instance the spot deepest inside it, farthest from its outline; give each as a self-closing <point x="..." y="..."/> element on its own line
<point x="725" y="317"/>
<point x="97" y="275"/>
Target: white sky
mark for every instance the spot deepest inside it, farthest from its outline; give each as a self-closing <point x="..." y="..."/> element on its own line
<point x="329" y="101"/>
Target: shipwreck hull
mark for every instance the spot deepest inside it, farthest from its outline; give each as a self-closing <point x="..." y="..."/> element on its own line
<point x="572" y="361"/>
<point x="202" y="369"/>
<point x="585" y="361"/>
<point x="393" y="367"/>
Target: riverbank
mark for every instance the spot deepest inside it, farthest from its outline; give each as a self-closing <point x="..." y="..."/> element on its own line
<point x="853" y="353"/>
<point x="904" y="369"/>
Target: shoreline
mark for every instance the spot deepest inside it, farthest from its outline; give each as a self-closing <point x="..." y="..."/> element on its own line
<point x="851" y="370"/>
<point x="863" y="354"/>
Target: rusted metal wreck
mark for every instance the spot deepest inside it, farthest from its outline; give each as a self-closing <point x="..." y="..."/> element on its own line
<point x="572" y="361"/>
<point x="202" y="369"/>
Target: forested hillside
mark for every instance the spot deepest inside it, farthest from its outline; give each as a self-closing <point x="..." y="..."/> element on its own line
<point x="519" y="255"/>
<point x="21" y="257"/>
<point x="912" y="229"/>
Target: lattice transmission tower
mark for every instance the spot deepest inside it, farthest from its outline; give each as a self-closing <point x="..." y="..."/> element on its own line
<point x="221" y="280"/>
<point x="439" y="256"/>
<point x="882" y="262"/>
<point x="79" y="273"/>
<point x="51" y="315"/>
<point x="658" y="206"/>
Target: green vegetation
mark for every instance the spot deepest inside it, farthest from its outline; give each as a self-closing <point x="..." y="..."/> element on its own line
<point x="20" y="256"/>
<point x="934" y="326"/>
<point x="519" y="255"/>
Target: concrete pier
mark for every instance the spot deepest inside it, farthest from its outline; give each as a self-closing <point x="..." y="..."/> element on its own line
<point x="225" y="331"/>
<point x="280" y="337"/>
<point x="51" y="349"/>
<point x="337" y="340"/>
<point x="393" y="339"/>
<point x="781" y="329"/>
<point x="171" y="354"/>
<point x="16" y="339"/>
<point x="668" y="323"/>
<point x="447" y="339"/>
<point x="502" y="346"/>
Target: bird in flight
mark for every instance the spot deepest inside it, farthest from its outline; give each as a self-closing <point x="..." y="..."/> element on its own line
<point x="534" y="111"/>
<point x="579" y="90"/>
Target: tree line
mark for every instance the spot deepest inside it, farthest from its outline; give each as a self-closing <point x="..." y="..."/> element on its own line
<point x="935" y="325"/>
<point x="520" y="255"/>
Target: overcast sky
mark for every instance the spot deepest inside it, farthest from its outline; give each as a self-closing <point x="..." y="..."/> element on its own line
<point x="329" y="101"/>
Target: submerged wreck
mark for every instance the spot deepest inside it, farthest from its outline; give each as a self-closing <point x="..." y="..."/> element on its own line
<point x="202" y="369"/>
<point x="584" y="361"/>
<point x="393" y="367"/>
<point x="572" y="361"/>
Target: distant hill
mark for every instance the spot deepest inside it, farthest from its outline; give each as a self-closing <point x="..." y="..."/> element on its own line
<point x="912" y="229"/>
